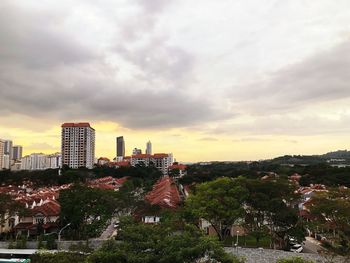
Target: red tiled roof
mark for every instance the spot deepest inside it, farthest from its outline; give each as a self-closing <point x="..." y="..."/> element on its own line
<point x="142" y="155"/>
<point x="178" y="166"/>
<point x="108" y="183"/>
<point x="78" y="124"/>
<point x="103" y="159"/>
<point x="50" y="208"/>
<point x="160" y="155"/>
<point x="122" y="180"/>
<point x="164" y="193"/>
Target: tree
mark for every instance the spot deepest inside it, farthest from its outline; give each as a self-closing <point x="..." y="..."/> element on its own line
<point x="269" y="209"/>
<point x="332" y="212"/>
<point x="143" y="243"/>
<point x="220" y="202"/>
<point x="9" y="207"/>
<point x="87" y="209"/>
<point x="60" y="257"/>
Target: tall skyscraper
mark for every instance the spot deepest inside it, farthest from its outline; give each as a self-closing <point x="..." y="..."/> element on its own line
<point x="2" y="150"/>
<point x="78" y="145"/>
<point x="149" y="147"/>
<point x="17" y="151"/>
<point x="120" y="147"/>
<point x="8" y="148"/>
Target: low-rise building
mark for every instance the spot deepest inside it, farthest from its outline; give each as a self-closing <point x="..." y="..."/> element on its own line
<point x="161" y="161"/>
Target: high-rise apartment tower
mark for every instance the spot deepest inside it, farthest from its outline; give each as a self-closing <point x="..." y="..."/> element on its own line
<point x="17" y="151"/>
<point x="8" y="148"/>
<point x="120" y="147"/>
<point x="2" y="148"/>
<point x="78" y="145"/>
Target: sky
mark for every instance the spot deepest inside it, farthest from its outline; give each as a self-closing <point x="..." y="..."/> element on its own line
<point x="205" y="80"/>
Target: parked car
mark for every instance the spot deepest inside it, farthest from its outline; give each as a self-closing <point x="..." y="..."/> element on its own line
<point x="297" y="248"/>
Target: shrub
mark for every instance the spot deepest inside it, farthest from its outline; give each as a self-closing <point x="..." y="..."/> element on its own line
<point x="294" y="260"/>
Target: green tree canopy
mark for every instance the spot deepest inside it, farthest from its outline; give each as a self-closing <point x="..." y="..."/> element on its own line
<point x="143" y="243"/>
<point x="332" y="212"/>
<point x="220" y="202"/>
<point x="87" y="209"/>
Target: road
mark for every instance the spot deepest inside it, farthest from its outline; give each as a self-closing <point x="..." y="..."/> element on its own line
<point x="312" y="245"/>
<point x="109" y="231"/>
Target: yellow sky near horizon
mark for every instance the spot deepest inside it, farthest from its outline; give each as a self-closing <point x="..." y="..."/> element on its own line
<point x="186" y="145"/>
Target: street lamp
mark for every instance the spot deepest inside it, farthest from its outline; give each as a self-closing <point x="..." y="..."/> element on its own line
<point x="237" y="232"/>
<point x="59" y="233"/>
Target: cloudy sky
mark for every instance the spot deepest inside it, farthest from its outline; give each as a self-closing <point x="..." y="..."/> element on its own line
<point x="206" y="80"/>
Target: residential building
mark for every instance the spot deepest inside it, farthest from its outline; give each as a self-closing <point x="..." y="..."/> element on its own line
<point x="34" y="161"/>
<point x="149" y="147"/>
<point x="120" y="148"/>
<point x="102" y="161"/>
<point x="7" y="154"/>
<point x="6" y="161"/>
<point x="53" y="161"/>
<point x="140" y="159"/>
<point x="17" y="151"/>
<point x="16" y="166"/>
<point x="78" y="145"/>
<point x="165" y="195"/>
<point x="2" y="149"/>
<point x="161" y="161"/>
<point x="8" y="148"/>
<point x="136" y="151"/>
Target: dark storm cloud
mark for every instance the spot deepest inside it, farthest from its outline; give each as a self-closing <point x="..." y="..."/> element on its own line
<point x="34" y="39"/>
<point x="320" y="78"/>
<point x="143" y="109"/>
<point x="49" y="73"/>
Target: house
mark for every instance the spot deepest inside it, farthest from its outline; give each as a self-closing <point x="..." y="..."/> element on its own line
<point x="43" y="217"/>
<point x="164" y="195"/>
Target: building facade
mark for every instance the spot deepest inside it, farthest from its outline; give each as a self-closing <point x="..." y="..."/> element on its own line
<point x="2" y="150"/>
<point x="162" y="161"/>
<point x="17" y="151"/>
<point x="78" y="145"/>
<point x="136" y="151"/>
<point x="120" y="147"/>
<point x="7" y="159"/>
<point x="53" y="161"/>
<point x="34" y="161"/>
<point x="149" y="147"/>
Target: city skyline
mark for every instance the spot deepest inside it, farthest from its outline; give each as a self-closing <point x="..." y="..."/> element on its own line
<point x="243" y="80"/>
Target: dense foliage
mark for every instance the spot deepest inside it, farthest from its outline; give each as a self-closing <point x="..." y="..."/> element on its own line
<point x="294" y="260"/>
<point x="60" y="257"/>
<point x="142" y="243"/>
<point x="332" y="211"/>
<point x="140" y="174"/>
<point x="219" y="202"/>
<point x="319" y="173"/>
<point x="86" y="209"/>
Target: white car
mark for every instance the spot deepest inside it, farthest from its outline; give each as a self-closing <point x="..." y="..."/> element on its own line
<point x="296" y="248"/>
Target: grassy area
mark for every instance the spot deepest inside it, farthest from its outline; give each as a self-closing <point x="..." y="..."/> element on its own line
<point x="248" y="241"/>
